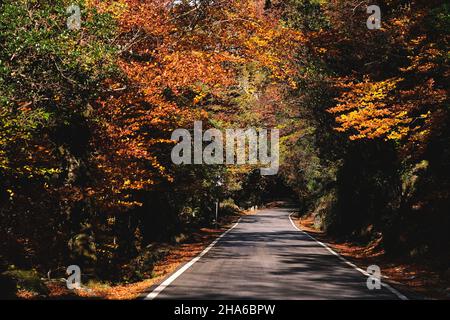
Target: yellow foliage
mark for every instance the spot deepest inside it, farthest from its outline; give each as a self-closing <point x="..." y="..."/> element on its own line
<point x="368" y="110"/>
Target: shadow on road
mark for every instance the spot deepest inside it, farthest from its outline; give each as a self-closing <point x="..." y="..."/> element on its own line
<point x="264" y="257"/>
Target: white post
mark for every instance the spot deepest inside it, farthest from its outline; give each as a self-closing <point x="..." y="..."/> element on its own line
<point x="217" y="212"/>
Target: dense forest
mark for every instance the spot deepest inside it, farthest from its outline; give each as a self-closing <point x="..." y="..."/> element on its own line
<point x="86" y="116"/>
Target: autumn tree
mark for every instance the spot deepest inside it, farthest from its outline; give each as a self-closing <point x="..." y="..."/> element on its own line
<point x="87" y="117"/>
<point x="368" y="126"/>
<point x="48" y="77"/>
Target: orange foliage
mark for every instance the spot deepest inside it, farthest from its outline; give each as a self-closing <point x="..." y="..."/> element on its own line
<point x="406" y="108"/>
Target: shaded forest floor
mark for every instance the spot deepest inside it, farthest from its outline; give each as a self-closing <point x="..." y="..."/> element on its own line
<point x="177" y="254"/>
<point x="417" y="279"/>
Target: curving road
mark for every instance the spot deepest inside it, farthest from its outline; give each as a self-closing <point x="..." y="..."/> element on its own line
<point x="266" y="257"/>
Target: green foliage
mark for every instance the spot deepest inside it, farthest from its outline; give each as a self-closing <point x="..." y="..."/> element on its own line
<point x="76" y="132"/>
<point x="307" y="15"/>
<point x="228" y="207"/>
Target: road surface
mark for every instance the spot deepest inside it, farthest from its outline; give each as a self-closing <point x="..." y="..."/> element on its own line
<point x="265" y="257"/>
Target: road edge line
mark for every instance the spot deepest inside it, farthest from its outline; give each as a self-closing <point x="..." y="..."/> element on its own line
<point x="387" y="286"/>
<point x="152" y="295"/>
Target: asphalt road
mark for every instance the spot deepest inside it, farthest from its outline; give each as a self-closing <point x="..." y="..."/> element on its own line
<point x="265" y="257"/>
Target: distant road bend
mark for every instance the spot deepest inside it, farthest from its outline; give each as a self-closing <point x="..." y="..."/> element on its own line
<point x="265" y="257"/>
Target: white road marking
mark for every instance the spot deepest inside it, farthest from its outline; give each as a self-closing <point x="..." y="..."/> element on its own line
<point x="391" y="289"/>
<point x="152" y="295"/>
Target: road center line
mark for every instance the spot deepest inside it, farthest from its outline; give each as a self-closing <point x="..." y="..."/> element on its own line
<point x="152" y="295"/>
<point x="391" y="289"/>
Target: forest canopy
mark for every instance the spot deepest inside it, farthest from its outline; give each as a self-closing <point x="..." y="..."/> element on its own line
<point x="86" y="117"/>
